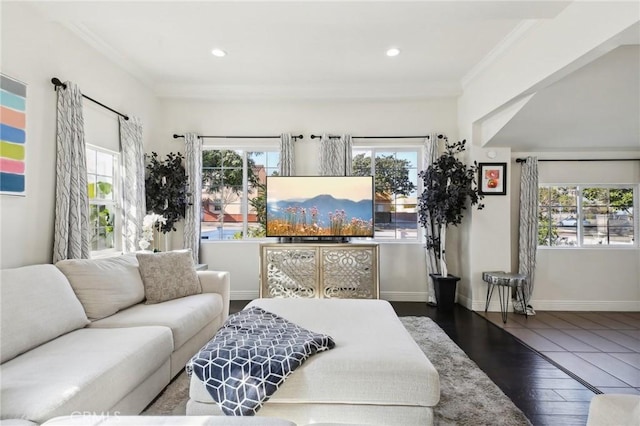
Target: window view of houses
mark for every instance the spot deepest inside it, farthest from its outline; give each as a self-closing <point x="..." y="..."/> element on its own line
<point x="585" y="216"/>
<point x="233" y="183"/>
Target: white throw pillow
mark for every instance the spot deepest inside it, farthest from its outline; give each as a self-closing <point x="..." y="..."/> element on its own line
<point x="104" y="286"/>
<point x="168" y="275"/>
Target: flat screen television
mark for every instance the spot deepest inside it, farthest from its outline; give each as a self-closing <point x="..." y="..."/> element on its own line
<point x="320" y="207"/>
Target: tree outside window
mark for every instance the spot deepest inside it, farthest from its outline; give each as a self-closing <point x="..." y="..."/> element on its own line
<point x="233" y="182"/>
<point x="609" y="212"/>
<point x="396" y="181"/>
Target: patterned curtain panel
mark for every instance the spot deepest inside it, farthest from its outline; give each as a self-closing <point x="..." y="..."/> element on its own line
<point x="528" y="241"/>
<point x="133" y="199"/>
<point x="193" y="167"/>
<point x="348" y="154"/>
<point x="287" y="155"/>
<point x="335" y="156"/>
<point x="431" y="153"/>
<point x="71" y="227"/>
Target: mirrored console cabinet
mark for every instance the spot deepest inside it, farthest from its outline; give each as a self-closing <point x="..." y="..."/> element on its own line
<point x="321" y="270"/>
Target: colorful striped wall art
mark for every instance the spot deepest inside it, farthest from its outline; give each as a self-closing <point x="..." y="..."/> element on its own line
<point x="13" y="102"/>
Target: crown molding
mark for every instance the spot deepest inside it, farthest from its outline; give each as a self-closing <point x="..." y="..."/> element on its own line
<point x="101" y="46"/>
<point x="318" y="92"/>
<point x="512" y="38"/>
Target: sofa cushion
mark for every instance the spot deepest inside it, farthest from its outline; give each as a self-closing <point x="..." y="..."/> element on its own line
<point x="185" y="316"/>
<point x="37" y="304"/>
<point x="87" y="370"/>
<point x="104" y="286"/>
<point x="168" y="275"/>
<point x="17" y="422"/>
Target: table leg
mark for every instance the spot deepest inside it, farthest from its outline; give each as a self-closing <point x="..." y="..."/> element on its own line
<point x="504" y="294"/>
<point x="525" y="302"/>
<point x="489" y="294"/>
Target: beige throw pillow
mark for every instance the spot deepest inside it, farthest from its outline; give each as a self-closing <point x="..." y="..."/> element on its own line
<point x="168" y="275"/>
<point x="104" y="286"/>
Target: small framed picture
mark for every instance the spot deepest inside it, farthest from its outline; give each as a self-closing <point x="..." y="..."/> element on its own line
<point x="492" y="178"/>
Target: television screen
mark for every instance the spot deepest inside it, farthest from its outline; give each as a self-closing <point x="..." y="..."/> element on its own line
<point x="319" y="206"/>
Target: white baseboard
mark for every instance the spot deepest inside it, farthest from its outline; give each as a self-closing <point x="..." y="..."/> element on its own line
<point x="244" y="294"/>
<point x="404" y="296"/>
<point x="587" y="305"/>
<point x="466" y="302"/>
<point x="567" y="305"/>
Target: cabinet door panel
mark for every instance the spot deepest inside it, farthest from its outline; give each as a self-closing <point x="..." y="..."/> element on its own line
<point x="290" y="272"/>
<point x="319" y="270"/>
<point x="348" y="273"/>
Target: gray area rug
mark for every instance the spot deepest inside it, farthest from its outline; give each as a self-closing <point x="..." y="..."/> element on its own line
<point x="467" y="395"/>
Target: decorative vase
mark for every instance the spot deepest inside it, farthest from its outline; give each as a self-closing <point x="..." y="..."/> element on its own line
<point x="445" y="288"/>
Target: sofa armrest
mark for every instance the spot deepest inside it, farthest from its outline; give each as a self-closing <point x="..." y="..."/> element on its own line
<point x="217" y="282"/>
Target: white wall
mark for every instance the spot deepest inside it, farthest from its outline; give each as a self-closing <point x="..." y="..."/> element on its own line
<point x="486" y="236"/>
<point x="589" y="278"/>
<point x="546" y="52"/>
<point x="34" y="50"/>
<point x="592" y="278"/>
<point x="402" y="266"/>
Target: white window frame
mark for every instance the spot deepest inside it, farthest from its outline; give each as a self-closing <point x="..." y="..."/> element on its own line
<point x="579" y="225"/>
<point x="418" y="148"/>
<point x="116" y="204"/>
<point x="263" y="146"/>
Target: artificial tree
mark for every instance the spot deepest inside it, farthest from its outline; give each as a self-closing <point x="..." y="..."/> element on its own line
<point x="166" y="188"/>
<point x="449" y="186"/>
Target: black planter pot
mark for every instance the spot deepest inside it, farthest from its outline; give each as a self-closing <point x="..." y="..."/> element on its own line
<point x="445" y="288"/>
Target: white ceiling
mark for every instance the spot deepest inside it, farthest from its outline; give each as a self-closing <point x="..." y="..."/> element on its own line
<point x="302" y="49"/>
<point x="596" y="108"/>
<point x="336" y="50"/>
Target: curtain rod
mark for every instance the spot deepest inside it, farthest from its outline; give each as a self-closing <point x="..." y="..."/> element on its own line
<point x="377" y="137"/>
<point x="524" y="160"/>
<point x="57" y="83"/>
<point x="175" y="136"/>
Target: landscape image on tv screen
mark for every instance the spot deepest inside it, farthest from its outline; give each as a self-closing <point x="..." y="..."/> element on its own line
<point x="319" y="206"/>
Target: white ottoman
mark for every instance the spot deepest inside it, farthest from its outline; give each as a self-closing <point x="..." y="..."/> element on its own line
<point x="375" y="375"/>
<point x="614" y="410"/>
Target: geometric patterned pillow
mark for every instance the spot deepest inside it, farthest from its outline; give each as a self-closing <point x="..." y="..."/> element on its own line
<point x="168" y="275"/>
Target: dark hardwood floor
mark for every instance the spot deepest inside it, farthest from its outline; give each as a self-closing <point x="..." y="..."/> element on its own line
<point x="545" y="393"/>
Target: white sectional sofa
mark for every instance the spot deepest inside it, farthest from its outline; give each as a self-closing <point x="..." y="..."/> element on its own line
<point x="77" y="337"/>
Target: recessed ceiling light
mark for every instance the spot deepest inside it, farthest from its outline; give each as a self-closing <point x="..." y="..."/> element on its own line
<point x="219" y="53"/>
<point x="394" y="51"/>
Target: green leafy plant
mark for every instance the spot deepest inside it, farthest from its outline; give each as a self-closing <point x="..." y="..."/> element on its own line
<point x="259" y="204"/>
<point x="392" y="174"/>
<point x="166" y="188"/>
<point x="101" y="226"/>
<point x="449" y="186"/>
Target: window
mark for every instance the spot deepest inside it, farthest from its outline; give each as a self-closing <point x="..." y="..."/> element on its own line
<point x="233" y="198"/>
<point x="586" y="215"/>
<point x="396" y="186"/>
<point x="102" y="184"/>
